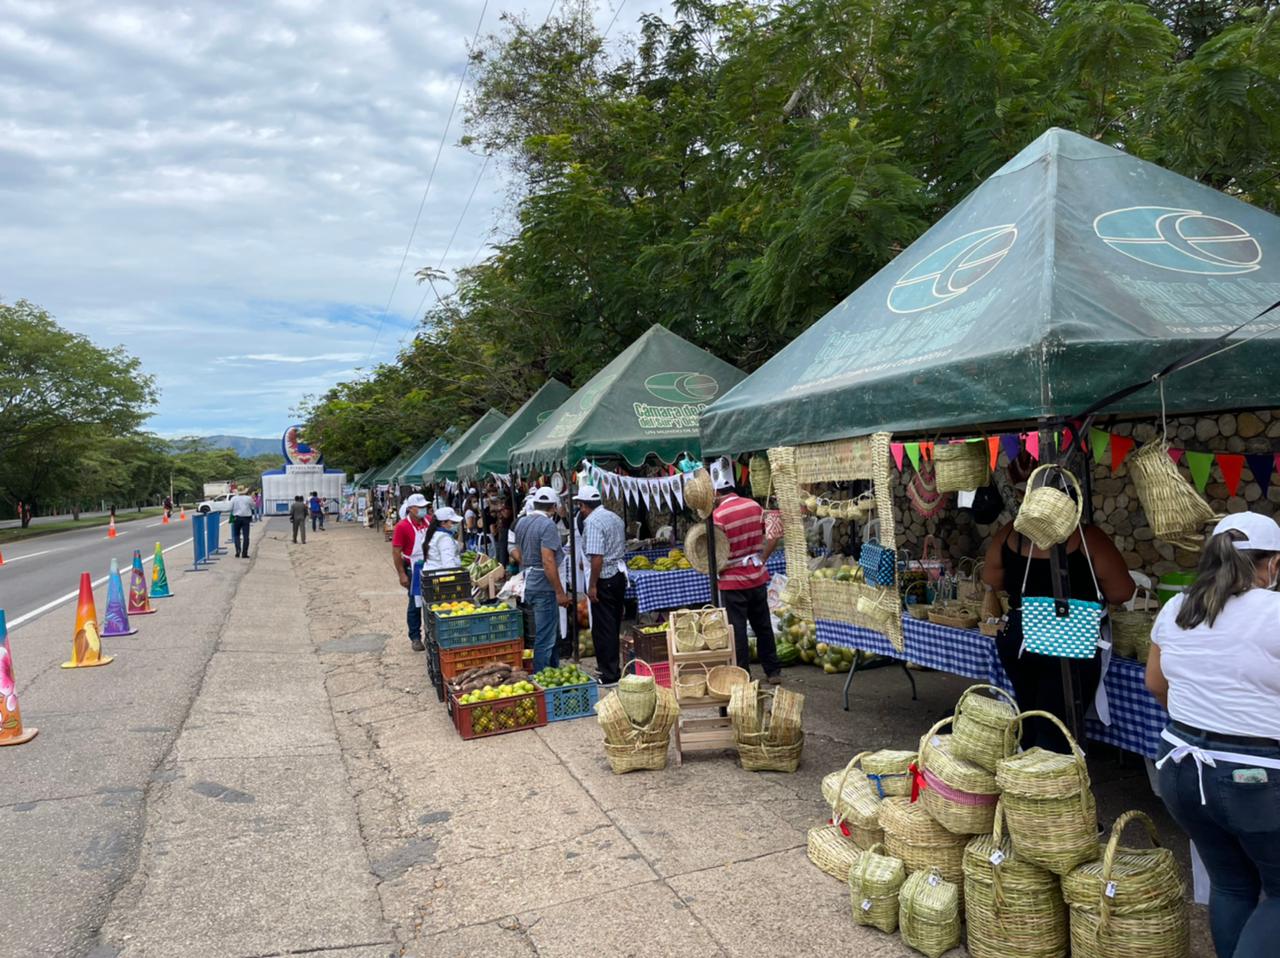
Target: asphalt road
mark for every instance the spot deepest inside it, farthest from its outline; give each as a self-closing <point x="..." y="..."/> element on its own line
<point x="38" y="573"/>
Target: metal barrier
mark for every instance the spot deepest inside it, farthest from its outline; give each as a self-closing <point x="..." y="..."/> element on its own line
<point x="199" y="539"/>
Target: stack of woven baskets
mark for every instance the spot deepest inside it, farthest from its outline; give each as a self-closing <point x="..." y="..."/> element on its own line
<point x="767" y="727"/>
<point x="854" y="795"/>
<point x="693" y="630"/>
<point x="637" y="719"/>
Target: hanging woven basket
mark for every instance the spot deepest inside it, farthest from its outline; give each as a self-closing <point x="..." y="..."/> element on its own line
<point x="1176" y="512"/>
<point x="1048" y="514"/>
<point x="961" y="466"/>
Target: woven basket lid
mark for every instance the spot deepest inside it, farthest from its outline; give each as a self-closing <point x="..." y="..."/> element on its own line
<point x="695" y="548"/>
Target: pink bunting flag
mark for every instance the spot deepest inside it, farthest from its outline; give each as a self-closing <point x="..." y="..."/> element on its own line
<point x="896" y="450"/>
<point x="1176" y="455"/>
<point x="1032" y="442"/>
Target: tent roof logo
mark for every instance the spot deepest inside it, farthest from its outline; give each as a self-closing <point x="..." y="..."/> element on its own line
<point x="1184" y="241"/>
<point x="682" y="387"/>
<point x="952" y="269"/>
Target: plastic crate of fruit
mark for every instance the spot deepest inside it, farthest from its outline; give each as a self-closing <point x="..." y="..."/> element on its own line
<point x="455" y="624"/>
<point x="649" y="642"/>
<point x="445" y="585"/>
<point x="453" y="661"/>
<point x="482" y="717"/>
<point x="571" y="693"/>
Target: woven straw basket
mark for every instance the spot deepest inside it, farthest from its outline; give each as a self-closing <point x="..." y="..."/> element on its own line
<point x="1146" y="913"/>
<point x="1011" y="906"/>
<point x="833" y="846"/>
<point x="961" y="466"/>
<point x="875" y="880"/>
<point x="960" y="795"/>
<point x="979" y="730"/>
<point x="699" y="492"/>
<point x="761" y="476"/>
<point x="723" y="679"/>
<point x="767" y="741"/>
<point x="889" y="771"/>
<point x="684" y="628"/>
<point x="714" y="624"/>
<point x="631" y="746"/>
<point x="912" y="835"/>
<point x="1049" y="515"/>
<point x="1176" y="513"/>
<point x="1048" y="804"/>
<point x="638" y="696"/>
<point x="1131" y="629"/>
<point x="929" y="913"/>
<point x="689" y="683"/>
<point x="851" y="797"/>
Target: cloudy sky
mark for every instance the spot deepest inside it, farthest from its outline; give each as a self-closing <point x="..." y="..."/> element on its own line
<point x="227" y="188"/>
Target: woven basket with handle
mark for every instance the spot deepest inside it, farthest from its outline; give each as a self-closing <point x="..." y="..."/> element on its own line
<point x="1130" y="903"/>
<point x="960" y="795"/>
<point x="854" y="801"/>
<point x="691" y="681"/>
<point x="889" y="771"/>
<point x="833" y="847"/>
<point x="874" y="882"/>
<point x="961" y="466"/>
<point x="1048" y="514"/>
<point x="1176" y="513"/>
<point x="1131" y="628"/>
<point x="1011" y="906"/>
<point x="910" y="833"/>
<point x="929" y="913"/>
<point x="979" y="731"/>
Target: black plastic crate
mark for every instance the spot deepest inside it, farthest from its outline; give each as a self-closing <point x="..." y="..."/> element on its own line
<point x="446" y="585"/>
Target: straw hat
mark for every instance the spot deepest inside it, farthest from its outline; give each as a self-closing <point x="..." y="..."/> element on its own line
<point x="695" y="548"/>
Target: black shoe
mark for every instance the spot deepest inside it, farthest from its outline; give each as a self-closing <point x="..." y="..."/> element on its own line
<point x="237" y="555"/>
<point x="417" y="645"/>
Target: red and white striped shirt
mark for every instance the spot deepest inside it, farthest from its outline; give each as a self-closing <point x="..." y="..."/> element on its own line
<point x="743" y="522"/>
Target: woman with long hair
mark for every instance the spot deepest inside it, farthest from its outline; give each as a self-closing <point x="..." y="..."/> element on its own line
<point x="1215" y="664"/>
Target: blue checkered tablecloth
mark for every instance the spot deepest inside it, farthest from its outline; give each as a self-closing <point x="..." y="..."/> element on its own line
<point x="681" y="589"/>
<point x="1136" y="717"/>
<point x="654" y="553"/>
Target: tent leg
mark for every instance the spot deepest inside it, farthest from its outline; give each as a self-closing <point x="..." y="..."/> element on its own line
<point x="1057" y="556"/>
<point x="573" y="569"/>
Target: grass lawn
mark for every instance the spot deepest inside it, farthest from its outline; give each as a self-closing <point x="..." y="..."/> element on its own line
<point x="44" y="529"/>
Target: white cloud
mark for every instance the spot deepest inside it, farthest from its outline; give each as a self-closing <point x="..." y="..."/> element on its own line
<point x="226" y="189"/>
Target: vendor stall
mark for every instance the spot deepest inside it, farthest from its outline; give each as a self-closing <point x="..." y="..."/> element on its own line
<point x="680" y="588"/>
<point x="445" y="469"/>
<point x="490" y="457"/>
<point x="426" y="457"/>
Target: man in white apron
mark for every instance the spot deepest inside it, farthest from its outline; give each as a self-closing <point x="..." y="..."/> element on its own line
<point x="407" y="541"/>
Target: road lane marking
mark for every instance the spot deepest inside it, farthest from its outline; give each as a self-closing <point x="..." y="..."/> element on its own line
<point x="29" y="555"/>
<point x="14" y="623"/>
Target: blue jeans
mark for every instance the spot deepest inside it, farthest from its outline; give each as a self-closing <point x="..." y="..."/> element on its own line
<point x="414" y="618"/>
<point x="546" y="626"/>
<point x="1237" y="832"/>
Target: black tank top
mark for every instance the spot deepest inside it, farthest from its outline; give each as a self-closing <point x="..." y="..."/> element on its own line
<point x="1039" y="578"/>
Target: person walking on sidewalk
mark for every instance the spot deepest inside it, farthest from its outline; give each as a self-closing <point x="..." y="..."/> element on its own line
<point x="1215" y="664"/>
<point x="317" y="516"/>
<point x="539" y="552"/>
<point x="298" y="516"/>
<point x="408" y="540"/>
<point x="241" y="516"/>
<point x="604" y="542"/>
<point x="744" y="582"/>
<point x="257" y="506"/>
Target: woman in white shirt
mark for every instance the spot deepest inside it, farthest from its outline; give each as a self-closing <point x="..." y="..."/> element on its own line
<point x="1215" y="663"/>
<point x="442" y="545"/>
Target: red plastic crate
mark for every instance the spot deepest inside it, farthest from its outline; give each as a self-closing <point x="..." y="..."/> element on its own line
<point x="661" y="671"/>
<point x="453" y="661"/>
<point x="502" y="715"/>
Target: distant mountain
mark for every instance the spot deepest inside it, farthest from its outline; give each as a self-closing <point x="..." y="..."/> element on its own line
<point x="245" y="446"/>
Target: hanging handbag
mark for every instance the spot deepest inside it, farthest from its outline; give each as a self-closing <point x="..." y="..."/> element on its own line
<point x="1063" y="627"/>
<point x="878" y="564"/>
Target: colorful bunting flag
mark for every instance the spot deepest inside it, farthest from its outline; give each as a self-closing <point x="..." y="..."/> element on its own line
<point x="1200" y="463"/>
<point x="926" y="449"/>
<point x="1121" y="446"/>
<point x="1231" y="465"/>
<point x="1098" y="444"/>
<point x="1011" y="445"/>
<point x="1262" y="467"/>
<point x="896" y="450"/>
<point x="993" y="448"/>
<point x="1176" y="456"/>
<point x="1033" y="444"/>
<point x="913" y="453"/>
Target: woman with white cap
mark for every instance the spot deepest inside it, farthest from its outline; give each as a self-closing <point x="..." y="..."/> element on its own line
<point x="407" y="541"/>
<point x="1215" y="663"/>
<point x="442" y="545"/>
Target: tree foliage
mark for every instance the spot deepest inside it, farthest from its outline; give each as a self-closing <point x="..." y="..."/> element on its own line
<point x="737" y="170"/>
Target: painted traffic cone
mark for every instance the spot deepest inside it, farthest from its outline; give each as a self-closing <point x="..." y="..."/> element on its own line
<point x="159" y="577"/>
<point x="139" y="604"/>
<point x="182" y="513"/>
<point x="11" y="730"/>
<point x="86" y="646"/>
<point x="117" y="619"/>
<point x="111" y="528"/>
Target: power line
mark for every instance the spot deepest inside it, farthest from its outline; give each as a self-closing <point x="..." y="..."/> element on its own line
<point x="430" y="177"/>
<point x="609" y="28"/>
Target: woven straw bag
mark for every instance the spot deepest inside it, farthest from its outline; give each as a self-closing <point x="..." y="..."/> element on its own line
<point x="699" y="492"/>
<point x="1011" y="906"/>
<point x="833" y="847"/>
<point x="1049" y="515"/>
<point x="854" y="802"/>
<point x="1176" y="513"/>
<point x="980" y="728"/>
<point x="761" y="476"/>
<point x="769" y="741"/>
<point x="889" y="771"/>
<point x="638" y="696"/>
<point x="1130" y="903"/>
<point x="959" y="795"/>
<point x="1131" y="628"/>
<point x="1048" y="804"/>
<point x="684" y="626"/>
<point x="911" y="834"/>
<point x="875" y="880"/>
<point x="929" y="913"/>
<point x="961" y="466"/>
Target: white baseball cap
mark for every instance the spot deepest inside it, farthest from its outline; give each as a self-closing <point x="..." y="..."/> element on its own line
<point x="1261" y="533"/>
<point x="417" y="499"/>
<point x="587" y="493"/>
<point x="544" y="495"/>
<point x="445" y="514"/>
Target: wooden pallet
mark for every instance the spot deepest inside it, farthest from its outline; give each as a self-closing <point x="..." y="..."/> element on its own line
<point x="706" y="729"/>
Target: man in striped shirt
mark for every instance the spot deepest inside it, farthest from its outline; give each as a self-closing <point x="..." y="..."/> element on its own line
<point x="744" y="582"/>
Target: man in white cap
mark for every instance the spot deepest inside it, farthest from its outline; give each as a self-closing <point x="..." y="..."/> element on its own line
<point x="744" y="582"/>
<point x="407" y="541"/>
<point x="604" y="543"/>
<point x="539" y="551"/>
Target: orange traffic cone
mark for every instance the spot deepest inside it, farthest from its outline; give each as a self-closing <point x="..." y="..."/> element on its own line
<point x="86" y="647"/>
<point x="111" y="528"/>
<point x="165" y="520"/>
<point x="182" y="513"/>
<point x="11" y="731"/>
<point x="1" y="558"/>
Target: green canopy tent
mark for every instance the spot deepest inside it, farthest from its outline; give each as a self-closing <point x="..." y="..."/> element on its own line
<point x="491" y="457"/>
<point x="645" y="402"/>
<point x="1074" y="271"/>
<point x="446" y="467"/>
<point x="384" y="475"/>
<point x="426" y="457"/>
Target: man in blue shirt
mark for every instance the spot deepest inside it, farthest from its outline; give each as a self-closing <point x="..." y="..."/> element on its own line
<point x="539" y="552"/>
<point x="314" y="504"/>
<point x="604" y="543"/>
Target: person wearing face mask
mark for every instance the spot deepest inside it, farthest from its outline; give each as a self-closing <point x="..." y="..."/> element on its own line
<point x="407" y="542"/>
<point x="1215" y="664"/>
<point x="442" y="543"/>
